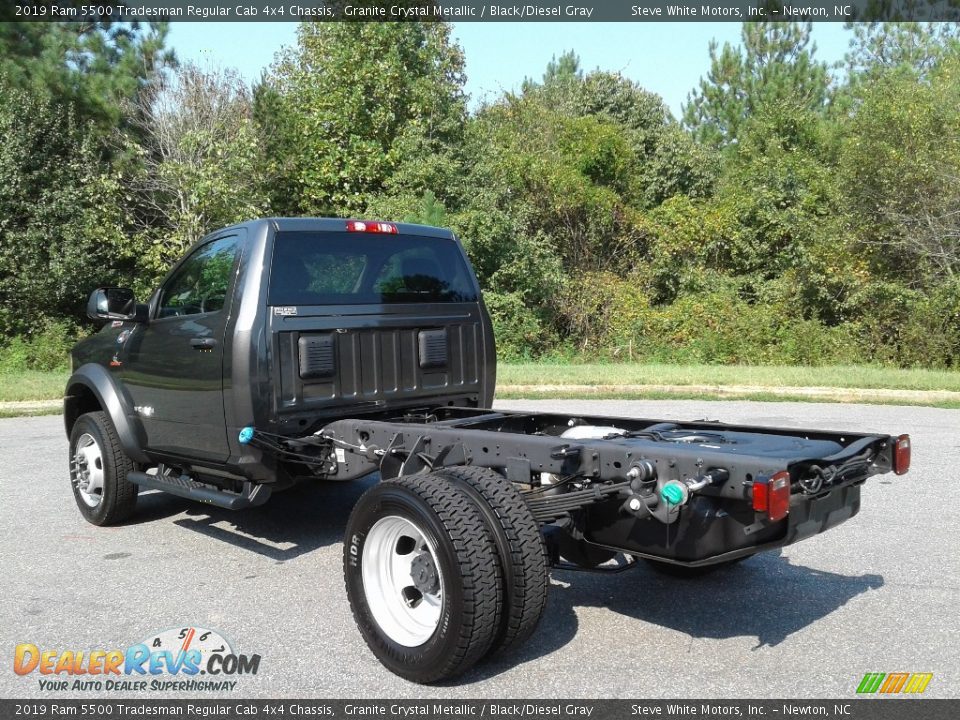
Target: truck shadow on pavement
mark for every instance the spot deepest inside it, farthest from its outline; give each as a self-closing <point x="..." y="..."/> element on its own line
<point x="292" y="523"/>
<point x="766" y="597"/>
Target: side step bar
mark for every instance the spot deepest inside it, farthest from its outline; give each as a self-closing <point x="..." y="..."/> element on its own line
<point x="182" y="486"/>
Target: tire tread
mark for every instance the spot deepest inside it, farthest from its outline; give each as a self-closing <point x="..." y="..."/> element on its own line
<point x="479" y="571"/>
<point x="122" y="499"/>
<point x="527" y="594"/>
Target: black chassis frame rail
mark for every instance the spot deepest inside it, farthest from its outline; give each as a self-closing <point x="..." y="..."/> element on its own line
<point x="522" y="443"/>
<point x="717" y="525"/>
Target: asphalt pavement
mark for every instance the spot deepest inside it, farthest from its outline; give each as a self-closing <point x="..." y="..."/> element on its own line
<point x="880" y="593"/>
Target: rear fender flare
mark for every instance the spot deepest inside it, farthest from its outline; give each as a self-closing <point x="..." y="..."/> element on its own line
<point x="95" y="379"/>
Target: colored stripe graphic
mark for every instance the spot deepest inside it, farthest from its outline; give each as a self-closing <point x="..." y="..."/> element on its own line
<point x="918" y="682"/>
<point x="894" y="682"/>
<point x="870" y="682"/>
<point x="901" y="682"/>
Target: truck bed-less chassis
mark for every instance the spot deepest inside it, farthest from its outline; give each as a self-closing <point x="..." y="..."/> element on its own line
<point x="294" y="350"/>
<point x="626" y="480"/>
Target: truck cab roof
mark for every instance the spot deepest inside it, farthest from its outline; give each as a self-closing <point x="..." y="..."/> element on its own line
<point x="304" y="224"/>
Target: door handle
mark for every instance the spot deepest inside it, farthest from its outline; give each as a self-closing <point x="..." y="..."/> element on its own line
<point x="203" y="343"/>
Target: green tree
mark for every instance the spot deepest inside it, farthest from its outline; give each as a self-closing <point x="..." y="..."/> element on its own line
<point x="567" y="176"/>
<point x="901" y="170"/>
<point x="371" y="108"/>
<point x="668" y="161"/>
<point x="557" y="180"/>
<point x="877" y="48"/>
<point x="95" y="67"/>
<point x="277" y="138"/>
<point x="566" y="67"/>
<point x="197" y="162"/>
<point x="62" y="221"/>
<point x="67" y="87"/>
<point x="560" y="71"/>
<point x="775" y="63"/>
<point x="544" y="200"/>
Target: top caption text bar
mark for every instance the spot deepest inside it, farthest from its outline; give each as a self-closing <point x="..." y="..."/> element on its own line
<point x="482" y="10"/>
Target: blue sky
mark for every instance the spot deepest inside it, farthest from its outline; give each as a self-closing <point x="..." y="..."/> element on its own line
<point x="666" y="58"/>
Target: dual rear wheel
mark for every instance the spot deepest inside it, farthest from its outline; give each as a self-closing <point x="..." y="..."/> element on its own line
<point x="442" y="570"/>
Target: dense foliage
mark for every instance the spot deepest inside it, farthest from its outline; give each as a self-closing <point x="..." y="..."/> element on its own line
<point x="796" y="214"/>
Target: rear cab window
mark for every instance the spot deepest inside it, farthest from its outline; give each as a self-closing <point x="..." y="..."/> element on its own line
<point x="332" y="268"/>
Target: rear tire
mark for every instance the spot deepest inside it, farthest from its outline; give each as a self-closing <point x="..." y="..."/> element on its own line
<point x="98" y="471"/>
<point x="422" y="578"/>
<point x="520" y="549"/>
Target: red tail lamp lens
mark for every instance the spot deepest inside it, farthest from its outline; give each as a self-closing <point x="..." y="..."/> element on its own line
<point x="760" y="495"/>
<point x="778" y="501"/>
<point x="901" y="455"/>
<point x="772" y="495"/>
<point x="365" y="226"/>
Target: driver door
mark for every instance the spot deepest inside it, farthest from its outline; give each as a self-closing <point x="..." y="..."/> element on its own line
<point x="173" y="365"/>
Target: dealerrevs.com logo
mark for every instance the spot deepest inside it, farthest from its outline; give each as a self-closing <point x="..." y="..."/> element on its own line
<point x="189" y="659"/>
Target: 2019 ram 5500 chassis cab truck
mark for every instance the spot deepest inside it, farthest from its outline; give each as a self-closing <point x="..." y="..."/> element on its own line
<point x="284" y="350"/>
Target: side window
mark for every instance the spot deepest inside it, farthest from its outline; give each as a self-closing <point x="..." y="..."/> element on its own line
<point x="200" y="284"/>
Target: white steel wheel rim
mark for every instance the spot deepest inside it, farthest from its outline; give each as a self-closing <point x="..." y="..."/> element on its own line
<point x="87" y="470"/>
<point x="406" y="608"/>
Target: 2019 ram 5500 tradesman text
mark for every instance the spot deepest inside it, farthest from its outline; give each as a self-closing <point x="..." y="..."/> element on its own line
<point x="285" y="350"/>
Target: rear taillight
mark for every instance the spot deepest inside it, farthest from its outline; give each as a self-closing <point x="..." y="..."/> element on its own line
<point x="772" y="495"/>
<point x="365" y="226"/>
<point x="901" y="455"/>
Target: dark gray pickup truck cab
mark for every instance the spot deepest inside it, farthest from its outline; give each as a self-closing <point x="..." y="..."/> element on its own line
<point x="286" y="350"/>
<point x="286" y="324"/>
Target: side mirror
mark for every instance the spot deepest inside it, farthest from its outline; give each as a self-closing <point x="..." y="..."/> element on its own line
<point x="113" y="303"/>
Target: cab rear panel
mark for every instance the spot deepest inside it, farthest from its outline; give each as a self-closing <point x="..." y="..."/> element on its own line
<point x="360" y="322"/>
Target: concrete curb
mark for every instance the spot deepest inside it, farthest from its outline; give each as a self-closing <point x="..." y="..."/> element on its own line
<point x="31" y="405"/>
<point x="832" y="393"/>
<point x="824" y="393"/>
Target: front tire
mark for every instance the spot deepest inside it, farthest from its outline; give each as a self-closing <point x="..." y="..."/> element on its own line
<point x="422" y="578"/>
<point x="98" y="471"/>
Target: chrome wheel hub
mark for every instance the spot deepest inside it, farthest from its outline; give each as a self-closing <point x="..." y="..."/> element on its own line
<point x="401" y="581"/>
<point x="86" y="470"/>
